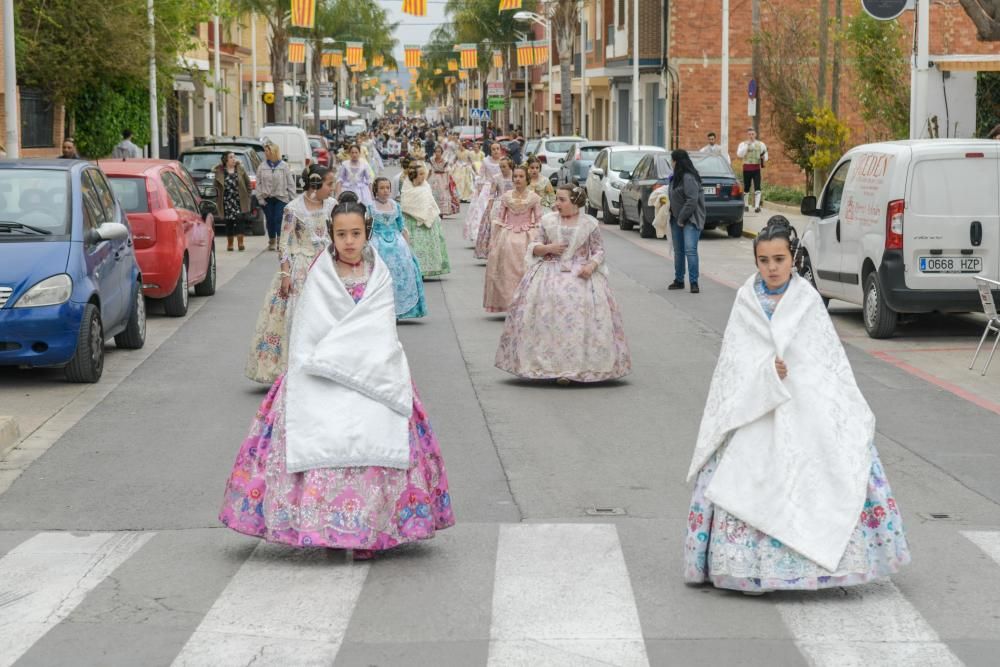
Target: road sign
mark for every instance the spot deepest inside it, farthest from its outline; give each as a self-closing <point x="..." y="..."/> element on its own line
<point x="496" y="103"/>
<point x="494" y="89"/>
<point x="474" y="114"/>
<point x="885" y="10"/>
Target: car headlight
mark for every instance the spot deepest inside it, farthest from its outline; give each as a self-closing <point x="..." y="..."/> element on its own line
<point x="49" y="292"/>
<point x="617" y="185"/>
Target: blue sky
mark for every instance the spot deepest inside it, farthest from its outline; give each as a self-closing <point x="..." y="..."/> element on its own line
<point x="413" y="29"/>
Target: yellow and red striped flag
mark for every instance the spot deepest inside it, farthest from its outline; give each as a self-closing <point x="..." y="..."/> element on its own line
<point x="415" y="7"/>
<point x="452" y="65"/>
<point x="438" y="70"/>
<point x="509" y="4"/>
<point x="498" y="59"/>
<point x="541" y="52"/>
<point x="355" y="53"/>
<point x="470" y="56"/>
<point x="303" y="13"/>
<point x="412" y="55"/>
<point x="525" y="54"/>
<point x="463" y="74"/>
<point x="378" y="61"/>
<point x="296" y="51"/>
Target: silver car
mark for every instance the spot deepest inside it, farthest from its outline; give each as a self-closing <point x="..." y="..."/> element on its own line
<point x="612" y="169"/>
<point x="579" y="159"/>
<point x="550" y="152"/>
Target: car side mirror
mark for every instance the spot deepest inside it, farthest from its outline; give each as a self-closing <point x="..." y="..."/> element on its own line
<point x="108" y="231"/>
<point x="211" y="192"/>
<point x="562" y="160"/>
<point x="808" y="206"/>
<point x="597" y="171"/>
<point x="207" y="208"/>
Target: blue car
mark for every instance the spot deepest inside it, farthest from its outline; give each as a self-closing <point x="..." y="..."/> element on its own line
<point x="68" y="275"/>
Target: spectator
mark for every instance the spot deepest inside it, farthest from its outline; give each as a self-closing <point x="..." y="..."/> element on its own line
<point x="514" y="148"/>
<point x="754" y="156"/>
<point x="687" y="219"/>
<point x="69" y="150"/>
<point x="276" y="186"/>
<point x="125" y="148"/>
<point x="713" y="147"/>
<point x="232" y="199"/>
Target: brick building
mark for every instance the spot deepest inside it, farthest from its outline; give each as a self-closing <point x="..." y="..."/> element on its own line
<point x="42" y="122"/>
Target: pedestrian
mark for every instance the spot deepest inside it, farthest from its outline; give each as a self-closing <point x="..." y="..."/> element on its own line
<point x="464" y="173"/>
<point x="400" y="181"/>
<point x="125" y="148"/>
<point x="514" y="149"/>
<point x="276" y="187"/>
<point x="486" y="186"/>
<point x="787" y="447"/>
<point x="232" y="199"/>
<point x="563" y="323"/>
<point x="687" y="219"/>
<point x="714" y="148"/>
<point x="753" y="153"/>
<point x="423" y="222"/>
<point x="341" y="454"/>
<point x="304" y="234"/>
<point x="391" y="240"/>
<point x="69" y="150"/>
<point x="541" y="186"/>
<point x="354" y="176"/>
<point x="442" y="183"/>
<point x="520" y="213"/>
<point x="429" y="143"/>
<point x="505" y="183"/>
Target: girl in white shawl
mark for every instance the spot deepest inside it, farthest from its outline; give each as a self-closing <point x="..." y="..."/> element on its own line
<point x="341" y="453"/>
<point x="790" y="492"/>
<point x="423" y="223"/>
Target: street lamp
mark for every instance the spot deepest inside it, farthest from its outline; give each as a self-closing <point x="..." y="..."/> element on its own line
<point x="532" y="17"/>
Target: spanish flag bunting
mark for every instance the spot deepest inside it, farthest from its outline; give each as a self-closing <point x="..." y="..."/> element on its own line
<point x="333" y="58"/>
<point x="452" y="65"/>
<point x="470" y="56"/>
<point x="303" y="13"/>
<point x="525" y="54"/>
<point x="541" y="52"/>
<point x="296" y="51"/>
<point x="378" y="61"/>
<point x="509" y="4"/>
<point x="412" y="54"/>
<point x="463" y="74"/>
<point x="498" y="59"/>
<point x="355" y="53"/>
<point x="438" y="70"/>
<point x="415" y="7"/>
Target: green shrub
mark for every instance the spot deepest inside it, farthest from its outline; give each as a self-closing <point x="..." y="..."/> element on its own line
<point x="102" y="112"/>
<point x="783" y="194"/>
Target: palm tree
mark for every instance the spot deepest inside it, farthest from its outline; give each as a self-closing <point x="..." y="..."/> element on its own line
<point x="565" y="22"/>
<point x="277" y="14"/>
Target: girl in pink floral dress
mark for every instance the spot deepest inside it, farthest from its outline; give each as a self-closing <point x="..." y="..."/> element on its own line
<point x="504" y="184"/>
<point x="520" y="212"/>
<point x="341" y="453"/>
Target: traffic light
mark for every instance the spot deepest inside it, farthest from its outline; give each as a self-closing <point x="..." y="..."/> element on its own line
<point x="347" y="103"/>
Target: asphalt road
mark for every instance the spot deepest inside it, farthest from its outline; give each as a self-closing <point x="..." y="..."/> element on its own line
<point x="571" y="507"/>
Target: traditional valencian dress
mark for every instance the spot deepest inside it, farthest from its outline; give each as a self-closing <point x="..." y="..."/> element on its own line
<point x="304" y="234"/>
<point x="341" y="453"/>
<point x="559" y="325"/>
<point x="387" y="239"/>
<point x="482" y="248"/>
<point x="790" y="492"/>
<point x="356" y="177"/>
<point x="487" y="185"/>
<point x="443" y="186"/>
<point x="464" y="174"/>
<point x="544" y="189"/>
<point x="423" y="222"/>
<point x="513" y="229"/>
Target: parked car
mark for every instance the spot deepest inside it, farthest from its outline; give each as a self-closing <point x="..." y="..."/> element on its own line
<point x="68" y="274"/>
<point x="611" y="170"/>
<point x="201" y="162"/>
<point x="469" y="132"/>
<point x="723" y="193"/>
<point x="320" y="149"/>
<point x="575" y="165"/>
<point x="550" y="152"/>
<point x="294" y="146"/>
<point x="172" y="227"/>
<point x="250" y="142"/>
<point x="903" y="226"/>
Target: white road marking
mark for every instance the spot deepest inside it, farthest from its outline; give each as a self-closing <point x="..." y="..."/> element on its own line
<point x="862" y="626"/>
<point x="283" y="607"/>
<point x="43" y="579"/>
<point x="987" y="540"/>
<point x="562" y="596"/>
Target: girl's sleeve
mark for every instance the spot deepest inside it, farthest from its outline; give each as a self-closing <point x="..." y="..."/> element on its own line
<point x="596" y="247"/>
<point x="286" y="235"/>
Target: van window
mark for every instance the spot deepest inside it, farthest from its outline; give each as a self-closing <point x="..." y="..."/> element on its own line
<point x="947" y="187"/>
<point x="835" y="191"/>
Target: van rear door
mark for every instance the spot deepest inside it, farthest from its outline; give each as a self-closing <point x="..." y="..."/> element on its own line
<point x="951" y="223"/>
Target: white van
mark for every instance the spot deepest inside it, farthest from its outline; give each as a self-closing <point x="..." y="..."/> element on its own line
<point x="903" y="226"/>
<point x="294" y="145"/>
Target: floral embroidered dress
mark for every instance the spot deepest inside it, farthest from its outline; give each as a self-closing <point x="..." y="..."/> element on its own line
<point x="729" y="553"/>
<point x="464" y="174"/>
<point x="443" y="187"/>
<point x="559" y="325"/>
<point x="364" y="508"/>
<point x="387" y="239"/>
<point x="304" y="234"/>
<point x="543" y="187"/>
<point x="482" y="249"/>
<point x="514" y="229"/>
<point x="356" y="177"/>
<point x="482" y="199"/>
<point x="423" y="222"/>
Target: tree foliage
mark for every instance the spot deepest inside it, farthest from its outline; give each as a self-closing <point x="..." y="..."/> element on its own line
<point x="881" y="71"/>
<point x="985" y="15"/>
<point x="104" y="110"/>
<point x="827" y="138"/>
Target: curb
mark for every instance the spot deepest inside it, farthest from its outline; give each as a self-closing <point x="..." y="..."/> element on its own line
<point x="9" y="434"/>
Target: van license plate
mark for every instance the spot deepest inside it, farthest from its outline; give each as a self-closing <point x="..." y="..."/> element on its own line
<point x="951" y="264"/>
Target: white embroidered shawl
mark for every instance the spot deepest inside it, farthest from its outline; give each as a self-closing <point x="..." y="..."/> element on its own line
<point x="418" y="202"/>
<point x="552" y="229"/>
<point x="349" y="396"/>
<point x="797" y="461"/>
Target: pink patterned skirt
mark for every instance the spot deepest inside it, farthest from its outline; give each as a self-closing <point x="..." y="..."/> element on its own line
<point x="370" y="508"/>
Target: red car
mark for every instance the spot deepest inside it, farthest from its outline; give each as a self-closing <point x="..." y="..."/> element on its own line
<point x="172" y="228"/>
<point x="320" y="149"/>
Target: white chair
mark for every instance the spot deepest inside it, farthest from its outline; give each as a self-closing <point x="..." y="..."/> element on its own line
<point x="986" y="288"/>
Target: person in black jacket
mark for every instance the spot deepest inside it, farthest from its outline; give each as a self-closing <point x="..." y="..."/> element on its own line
<point x="687" y="219"/>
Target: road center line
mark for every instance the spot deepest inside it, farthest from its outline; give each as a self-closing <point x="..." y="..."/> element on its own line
<point x="987" y="540"/>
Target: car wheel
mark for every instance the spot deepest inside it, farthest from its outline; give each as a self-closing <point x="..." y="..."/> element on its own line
<point x="87" y="363"/>
<point x="554" y="180"/>
<point x="805" y="269"/>
<point x="880" y="319"/>
<point x="609" y="219"/>
<point x="623" y="222"/>
<point x="590" y="209"/>
<point x="134" y="336"/>
<point x="735" y="230"/>
<point x="259" y="227"/>
<point x="646" y="230"/>
<point x="176" y="303"/>
<point x="207" y="286"/>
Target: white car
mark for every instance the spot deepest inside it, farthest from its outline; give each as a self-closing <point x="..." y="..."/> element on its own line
<point x="903" y="226"/>
<point x="550" y="152"/>
<point x="611" y="170"/>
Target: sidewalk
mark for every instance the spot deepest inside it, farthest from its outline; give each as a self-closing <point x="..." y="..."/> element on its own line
<point x="754" y="222"/>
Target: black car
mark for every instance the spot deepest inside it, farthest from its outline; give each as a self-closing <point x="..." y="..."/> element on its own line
<point x="200" y="161"/>
<point x="651" y="171"/>
<point x="250" y="142"/>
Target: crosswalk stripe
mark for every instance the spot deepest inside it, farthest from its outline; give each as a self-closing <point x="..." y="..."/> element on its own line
<point x="861" y="626"/>
<point x="283" y="606"/>
<point x="43" y="579"/>
<point x="562" y="596"/>
<point x="987" y="540"/>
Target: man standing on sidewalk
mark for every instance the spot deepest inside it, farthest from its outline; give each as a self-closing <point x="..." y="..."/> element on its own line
<point x="713" y="147"/>
<point x="754" y="156"/>
<point x="125" y="148"/>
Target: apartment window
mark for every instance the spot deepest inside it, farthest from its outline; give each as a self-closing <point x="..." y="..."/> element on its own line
<point x="622" y="11"/>
<point x="37" y="117"/>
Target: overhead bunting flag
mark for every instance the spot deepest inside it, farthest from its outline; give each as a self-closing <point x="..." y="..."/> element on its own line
<point x="541" y="52"/>
<point x="509" y="4"/>
<point x="303" y="13"/>
<point x="415" y="7"/>
<point x="412" y="55"/>
<point x="525" y="54"/>
<point x="452" y="65"/>
<point x="438" y="70"/>
<point x="463" y="75"/>
<point x="470" y="56"/>
<point x="333" y="58"/>
<point x="360" y="67"/>
<point x="296" y="51"/>
<point x="498" y="59"/>
<point x="378" y="61"/>
<point x="449" y="80"/>
<point x="355" y="53"/>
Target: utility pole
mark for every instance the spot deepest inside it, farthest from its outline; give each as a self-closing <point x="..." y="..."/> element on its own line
<point x="724" y="101"/>
<point x="583" y="72"/>
<point x="218" y="76"/>
<point x="154" y="121"/>
<point x="253" y="76"/>
<point x="838" y="22"/>
<point x="636" y="139"/>
<point x="920" y="71"/>
<point x="755" y="59"/>
<point x="13" y="141"/>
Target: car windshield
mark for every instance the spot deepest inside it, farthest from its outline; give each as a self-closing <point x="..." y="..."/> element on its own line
<point x="589" y="152"/>
<point x="532" y="146"/>
<point x="625" y="160"/>
<point x="711" y="165"/>
<point x="131" y="193"/>
<point x="33" y="203"/>
<point x="558" y="146"/>
<point x="205" y="162"/>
